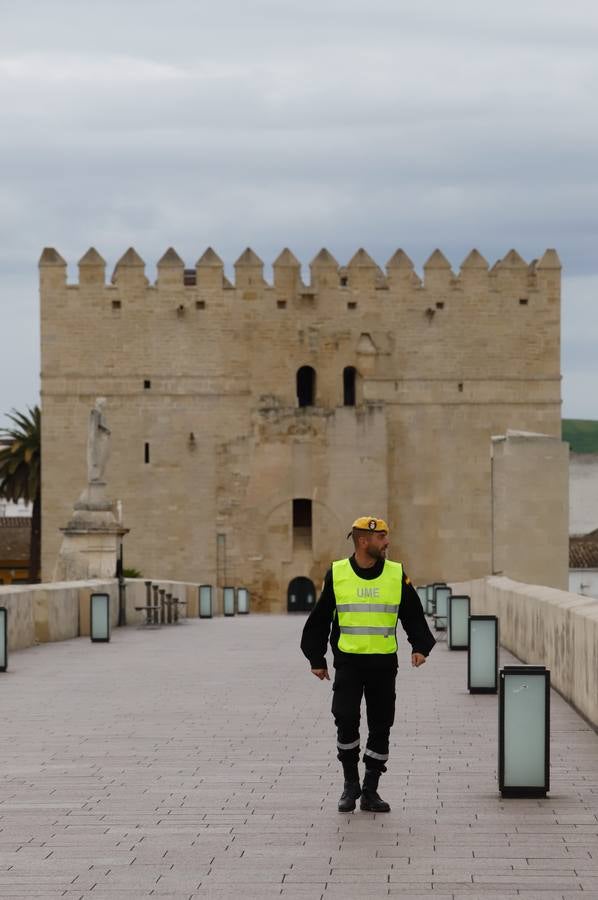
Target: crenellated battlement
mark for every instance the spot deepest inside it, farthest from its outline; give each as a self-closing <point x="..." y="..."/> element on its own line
<point x="361" y="273"/>
<point x="254" y="405"/>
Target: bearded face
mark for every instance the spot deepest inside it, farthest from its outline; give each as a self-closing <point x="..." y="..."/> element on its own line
<point x="376" y="545"/>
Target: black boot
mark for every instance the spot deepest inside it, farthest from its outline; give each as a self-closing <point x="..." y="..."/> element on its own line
<point x="349" y="795"/>
<point x="370" y="799"/>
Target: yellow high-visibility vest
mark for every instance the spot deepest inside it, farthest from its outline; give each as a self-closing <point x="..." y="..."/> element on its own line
<point x="367" y="609"/>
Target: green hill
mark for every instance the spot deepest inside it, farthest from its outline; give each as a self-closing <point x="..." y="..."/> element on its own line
<point x="581" y="434"/>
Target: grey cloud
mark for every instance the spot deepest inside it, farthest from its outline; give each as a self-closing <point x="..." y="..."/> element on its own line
<point x="181" y="26"/>
<point x="403" y="122"/>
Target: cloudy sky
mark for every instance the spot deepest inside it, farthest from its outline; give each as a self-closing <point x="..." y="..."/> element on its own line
<point x="338" y="123"/>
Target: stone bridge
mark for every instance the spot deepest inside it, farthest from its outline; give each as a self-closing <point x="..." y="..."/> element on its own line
<point x="198" y="760"/>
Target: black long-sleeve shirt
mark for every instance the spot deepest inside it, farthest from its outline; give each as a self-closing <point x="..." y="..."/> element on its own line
<point x="318" y="631"/>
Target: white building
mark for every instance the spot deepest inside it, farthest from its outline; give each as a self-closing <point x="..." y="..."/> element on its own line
<point x="583" y="493"/>
<point x="15" y="509"/>
<point x="583" y="565"/>
<point x="583" y="524"/>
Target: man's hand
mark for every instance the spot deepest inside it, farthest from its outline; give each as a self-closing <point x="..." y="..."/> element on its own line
<point x="417" y="660"/>
<point x="322" y="674"/>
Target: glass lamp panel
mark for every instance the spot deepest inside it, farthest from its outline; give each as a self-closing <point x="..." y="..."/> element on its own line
<point x="229" y="601"/>
<point x="442" y="595"/>
<point x="3" y="637"/>
<point x="99" y="617"/>
<point x="205" y="601"/>
<point x="430" y="600"/>
<point x="482" y="653"/>
<point x="458" y="621"/>
<point x="524" y="730"/>
<point x="242" y="600"/>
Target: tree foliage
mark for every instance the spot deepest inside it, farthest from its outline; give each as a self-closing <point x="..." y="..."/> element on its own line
<point x="20" y="472"/>
<point x="21" y="457"/>
<point x="581" y="434"/>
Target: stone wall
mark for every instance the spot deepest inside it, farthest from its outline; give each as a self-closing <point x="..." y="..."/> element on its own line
<point x="210" y="446"/>
<point x="41" y="613"/>
<point x="58" y="611"/>
<point x="530" y="509"/>
<point x="543" y="626"/>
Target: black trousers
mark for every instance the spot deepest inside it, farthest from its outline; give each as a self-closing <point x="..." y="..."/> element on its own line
<point x="351" y="683"/>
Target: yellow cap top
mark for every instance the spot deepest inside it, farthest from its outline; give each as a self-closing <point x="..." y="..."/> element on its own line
<point x="369" y="523"/>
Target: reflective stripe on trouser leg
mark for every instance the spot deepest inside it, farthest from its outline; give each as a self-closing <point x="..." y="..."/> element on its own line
<point x="347" y="750"/>
<point x="347" y="691"/>
<point x="373" y="759"/>
<point x="382" y="757"/>
<point x="380" y="706"/>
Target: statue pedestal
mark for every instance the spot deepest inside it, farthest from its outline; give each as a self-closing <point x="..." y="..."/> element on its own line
<point x="91" y="540"/>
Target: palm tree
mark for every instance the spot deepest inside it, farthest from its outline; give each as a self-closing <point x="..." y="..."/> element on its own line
<point x="20" y="473"/>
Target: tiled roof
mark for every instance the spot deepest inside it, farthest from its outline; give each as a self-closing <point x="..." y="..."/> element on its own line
<point x="583" y="551"/>
<point x="15" y="534"/>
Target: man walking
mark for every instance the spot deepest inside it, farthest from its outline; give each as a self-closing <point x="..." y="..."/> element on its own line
<point x="363" y="598"/>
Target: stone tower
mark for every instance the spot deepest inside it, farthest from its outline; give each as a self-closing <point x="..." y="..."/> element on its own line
<point x="253" y="421"/>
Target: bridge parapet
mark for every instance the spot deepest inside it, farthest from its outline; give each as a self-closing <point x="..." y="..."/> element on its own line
<point x="544" y="626"/>
<point x="58" y="611"/>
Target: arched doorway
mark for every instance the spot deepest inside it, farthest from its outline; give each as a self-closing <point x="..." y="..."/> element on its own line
<point x="301" y="595"/>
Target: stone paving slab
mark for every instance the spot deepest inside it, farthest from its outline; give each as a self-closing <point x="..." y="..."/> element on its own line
<point x="198" y="761"/>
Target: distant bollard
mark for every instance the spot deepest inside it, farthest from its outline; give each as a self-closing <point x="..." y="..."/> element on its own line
<point x="524" y="731"/>
<point x="242" y="601"/>
<point x="3" y="639"/>
<point x="482" y="656"/>
<point x="148" y="602"/>
<point x="168" y="608"/>
<point x="205" y="601"/>
<point x="175" y="609"/>
<point x="99" y="618"/>
<point x="441" y="595"/>
<point x="156" y="605"/>
<point x="458" y="621"/>
<point x="228" y="601"/>
<point x="162" y="592"/>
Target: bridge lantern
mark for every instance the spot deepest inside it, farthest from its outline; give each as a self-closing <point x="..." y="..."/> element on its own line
<point x="441" y="595"/>
<point x="458" y="621"/>
<point x="242" y="601"/>
<point x="3" y="638"/>
<point x="429" y="607"/>
<point x="228" y="601"/>
<point x="99" y="618"/>
<point x="205" y="601"/>
<point x="524" y="731"/>
<point x="482" y="657"/>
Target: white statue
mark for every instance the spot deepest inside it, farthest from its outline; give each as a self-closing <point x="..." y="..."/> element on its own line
<point x="92" y="536"/>
<point x="98" y="443"/>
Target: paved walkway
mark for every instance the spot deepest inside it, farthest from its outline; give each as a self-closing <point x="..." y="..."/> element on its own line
<point x="198" y="761"/>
